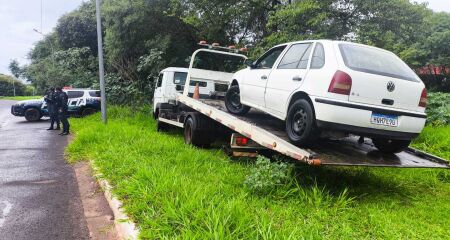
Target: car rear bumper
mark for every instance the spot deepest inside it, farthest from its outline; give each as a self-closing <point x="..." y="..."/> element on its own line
<point x="355" y="118"/>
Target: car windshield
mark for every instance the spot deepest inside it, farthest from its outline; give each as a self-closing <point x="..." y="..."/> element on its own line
<point x="375" y="61"/>
<point x="218" y="62"/>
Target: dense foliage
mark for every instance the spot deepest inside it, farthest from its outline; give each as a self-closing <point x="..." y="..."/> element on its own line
<point x="438" y="109"/>
<point x="144" y="36"/>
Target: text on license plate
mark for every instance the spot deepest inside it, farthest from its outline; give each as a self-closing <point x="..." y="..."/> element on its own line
<point x="385" y="120"/>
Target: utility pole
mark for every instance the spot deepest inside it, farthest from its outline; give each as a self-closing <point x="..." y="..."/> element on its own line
<point x="100" y="61"/>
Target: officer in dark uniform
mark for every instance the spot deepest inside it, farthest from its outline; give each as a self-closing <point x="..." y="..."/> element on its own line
<point x="50" y="99"/>
<point x="61" y="100"/>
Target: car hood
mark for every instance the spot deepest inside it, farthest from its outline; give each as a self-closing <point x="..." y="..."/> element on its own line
<point x="31" y="101"/>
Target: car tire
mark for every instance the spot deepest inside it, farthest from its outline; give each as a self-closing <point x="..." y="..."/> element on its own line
<point x="87" y="111"/>
<point x="196" y="132"/>
<point x="390" y="145"/>
<point x="233" y="101"/>
<point x="301" y="125"/>
<point x="32" y="114"/>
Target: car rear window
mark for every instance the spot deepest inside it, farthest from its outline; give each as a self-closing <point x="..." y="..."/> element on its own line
<point x="94" y="93"/>
<point x="375" y="61"/>
<point x="75" y="94"/>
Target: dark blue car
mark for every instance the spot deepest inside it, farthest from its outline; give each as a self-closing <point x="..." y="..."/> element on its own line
<point x="82" y="102"/>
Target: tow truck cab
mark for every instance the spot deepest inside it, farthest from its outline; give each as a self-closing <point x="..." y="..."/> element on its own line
<point x="171" y="81"/>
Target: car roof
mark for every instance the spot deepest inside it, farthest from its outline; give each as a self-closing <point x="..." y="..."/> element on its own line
<point x="80" y="89"/>
<point x="332" y="41"/>
<point x="175" y="69"/>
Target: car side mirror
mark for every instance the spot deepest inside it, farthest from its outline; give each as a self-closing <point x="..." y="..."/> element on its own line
<point x="250" y="63"/>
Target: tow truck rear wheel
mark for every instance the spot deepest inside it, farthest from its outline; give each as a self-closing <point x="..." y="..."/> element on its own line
<point x="197" y="132"/>
<point x="32" y="114"/>
<point x="301" y="126"/>
<point x="390" y="145"/>
<point x="233" y="101"/>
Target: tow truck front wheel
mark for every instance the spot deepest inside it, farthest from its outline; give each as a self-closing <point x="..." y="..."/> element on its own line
<point x="300" y="123"/>
<point x="32" y="115"/>
<point x="390" y="145"/>
<point x="233" y="101"/>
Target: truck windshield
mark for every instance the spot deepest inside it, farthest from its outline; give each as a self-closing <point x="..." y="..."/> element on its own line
<point x="218" y="62"/>
<point x="375" y="61"/>
<point x="179" y="78"/>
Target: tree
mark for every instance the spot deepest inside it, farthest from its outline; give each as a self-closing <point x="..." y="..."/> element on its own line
<point x="15" y="68"/>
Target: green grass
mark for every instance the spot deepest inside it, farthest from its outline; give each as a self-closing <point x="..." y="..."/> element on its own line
<point x="435" y="140"/>
<point x="20" y="98"/>
<point x="172" y="190"/>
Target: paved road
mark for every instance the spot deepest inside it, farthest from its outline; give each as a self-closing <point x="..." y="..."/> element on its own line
<point x="39" y="197"/>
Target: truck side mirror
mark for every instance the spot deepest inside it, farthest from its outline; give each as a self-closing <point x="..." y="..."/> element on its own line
<point x="249" y="63"/>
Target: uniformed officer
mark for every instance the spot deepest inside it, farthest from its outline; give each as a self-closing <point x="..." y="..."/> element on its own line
<point x="61" y="100"/>
<point x="50" y="99"/>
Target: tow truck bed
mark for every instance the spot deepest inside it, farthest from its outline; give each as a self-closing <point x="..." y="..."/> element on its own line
<point x="269" y="132"/>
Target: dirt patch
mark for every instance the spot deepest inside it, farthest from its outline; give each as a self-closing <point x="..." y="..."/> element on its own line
<point x="98" y="215"/>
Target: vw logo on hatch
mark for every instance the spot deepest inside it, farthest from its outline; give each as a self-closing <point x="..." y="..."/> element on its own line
<point x="390" y="86"/>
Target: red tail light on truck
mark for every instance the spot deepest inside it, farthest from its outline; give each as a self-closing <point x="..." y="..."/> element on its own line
<point x="341" y="83"/>
<point x="423" y="98"/>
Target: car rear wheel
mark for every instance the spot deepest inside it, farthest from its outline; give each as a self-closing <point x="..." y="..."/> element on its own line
<point x="390" y="145"/>
<point x="233" y="101"/>
<point x="301" y="126"/>
<point x="32" y="114"/>
<point x="87" y="112"/>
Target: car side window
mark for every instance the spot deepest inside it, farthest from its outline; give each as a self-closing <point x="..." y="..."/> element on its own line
<point x="159" y="82"/>
<point x="318" y="58"/>
<point x="75" y="94"/>
<point x="296" y="57"/>
<point x="268" y="59"/>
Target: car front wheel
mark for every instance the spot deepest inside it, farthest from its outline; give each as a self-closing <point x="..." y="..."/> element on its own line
<point x="390" y="145"/>
<point x="300" y="123"/>
<point x="233" y="101"/>
<point x="32" y="115"/>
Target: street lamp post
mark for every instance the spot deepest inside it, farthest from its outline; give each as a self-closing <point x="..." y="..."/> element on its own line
<point x="100" y="61"/>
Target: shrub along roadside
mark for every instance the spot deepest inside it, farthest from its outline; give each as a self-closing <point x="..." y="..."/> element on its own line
<point x="172" y="190"/>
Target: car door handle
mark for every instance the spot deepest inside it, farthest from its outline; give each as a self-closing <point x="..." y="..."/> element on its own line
<point x="264" y="77"/>
<point x="296" y="78"/>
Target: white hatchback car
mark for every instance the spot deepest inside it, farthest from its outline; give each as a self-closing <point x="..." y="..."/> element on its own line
<point x="334" y="85"/>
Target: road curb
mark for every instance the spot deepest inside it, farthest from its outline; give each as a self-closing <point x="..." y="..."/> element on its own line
<point x="125" y="227"/>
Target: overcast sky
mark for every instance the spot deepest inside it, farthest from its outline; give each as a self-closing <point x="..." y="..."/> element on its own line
<point x="18" y="18"/>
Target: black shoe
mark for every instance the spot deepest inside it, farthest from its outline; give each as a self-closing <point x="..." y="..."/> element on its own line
<point x="60" y="134"/>
<point x="65" y="133"/>
<point x="57" y="128"/>
<point x="50" y="128"/>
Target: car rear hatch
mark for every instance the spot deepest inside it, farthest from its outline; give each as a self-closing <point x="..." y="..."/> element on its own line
<point x="380" y="78"/>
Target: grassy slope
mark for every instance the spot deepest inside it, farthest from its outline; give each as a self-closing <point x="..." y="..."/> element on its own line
<point x="176" y="191"/>
<point x="19" y="98"/>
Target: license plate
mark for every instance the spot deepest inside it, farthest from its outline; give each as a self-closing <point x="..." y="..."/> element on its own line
<point x="385" y="120"/>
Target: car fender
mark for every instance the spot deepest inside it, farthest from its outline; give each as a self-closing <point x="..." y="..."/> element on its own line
<point x="296" y="94"/>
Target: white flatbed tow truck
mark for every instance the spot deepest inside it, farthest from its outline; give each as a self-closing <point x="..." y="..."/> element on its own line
<point x="205" y="120"/>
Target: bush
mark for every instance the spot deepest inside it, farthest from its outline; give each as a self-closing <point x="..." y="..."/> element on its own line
<point x="266" y="176"/>
<point x="438" y="109"/>
<point x="6" y="86"/>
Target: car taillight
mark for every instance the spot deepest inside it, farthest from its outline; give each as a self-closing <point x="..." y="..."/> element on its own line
<point x="341" y="83"/>
<point x="241" y="141"/>
<point x="423" y="98"/>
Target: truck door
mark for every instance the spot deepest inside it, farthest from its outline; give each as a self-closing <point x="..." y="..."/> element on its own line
<point x="158" y="95"/>
<point x="287" y="76"/>
<point x="255" y="79"/>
